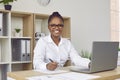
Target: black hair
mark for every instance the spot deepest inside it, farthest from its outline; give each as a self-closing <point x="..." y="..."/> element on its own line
<point x="55" y="14"/>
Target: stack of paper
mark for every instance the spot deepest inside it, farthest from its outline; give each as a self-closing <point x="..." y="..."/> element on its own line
<point x="51" y="72"/>
<point x="65" y="76"/>
<point x="9" y="78"/>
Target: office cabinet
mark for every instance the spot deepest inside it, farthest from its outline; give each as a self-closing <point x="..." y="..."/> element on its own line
<point x="9" y="20"/>
<point x="4" y="44"/>
<point x="23" y="21"/>
<point x="14" y="55"/>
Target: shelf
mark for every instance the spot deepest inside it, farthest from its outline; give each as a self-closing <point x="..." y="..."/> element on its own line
<point x="20" y="14"/>
<point x="19" y="62"/>
<point x="40" y="24"/>
<point x="66" y="31"/>
<point x="4" y="50"/>
<point x="4" y="37"/>
<point x="24" y="21"/>
<point x="2" y="63"/>
<point x="21" y="37"/>
<point x="20" y="66"/>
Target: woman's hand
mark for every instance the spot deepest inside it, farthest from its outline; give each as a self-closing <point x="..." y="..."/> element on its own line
<point x="52" y="65"/>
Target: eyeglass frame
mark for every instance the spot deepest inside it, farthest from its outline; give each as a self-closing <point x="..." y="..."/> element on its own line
<point x="56" y="25"/>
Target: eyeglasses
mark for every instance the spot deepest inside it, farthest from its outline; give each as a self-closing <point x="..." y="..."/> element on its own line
<point x="56" y="25"/>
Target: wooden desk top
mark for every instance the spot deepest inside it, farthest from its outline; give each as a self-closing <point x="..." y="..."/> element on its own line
<point x="106" y="75"/>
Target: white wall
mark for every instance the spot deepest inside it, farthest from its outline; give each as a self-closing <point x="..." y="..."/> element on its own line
<point x="90" y="19"/>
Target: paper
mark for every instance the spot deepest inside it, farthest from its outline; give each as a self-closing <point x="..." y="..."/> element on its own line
<point x="118" y="63"/>
<point x="9" y="78"/>
<point x="65" y="76"/>
<point x="51" y="72"/>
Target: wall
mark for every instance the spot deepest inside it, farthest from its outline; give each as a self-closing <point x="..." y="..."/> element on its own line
<point x="90" y="19"/>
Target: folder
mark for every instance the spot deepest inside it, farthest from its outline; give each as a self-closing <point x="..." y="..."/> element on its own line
<point x="28" y="50"/>
<point x="15" y="50"/>
<point x="5" y="23"/>
<point x="18" y="50"/>
<point x="23" y="50"/>
<point x="0" y="52"/>
<point x="1" y="24"/>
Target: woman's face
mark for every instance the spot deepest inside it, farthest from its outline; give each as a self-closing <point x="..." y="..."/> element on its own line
<point x="56" y="27"/>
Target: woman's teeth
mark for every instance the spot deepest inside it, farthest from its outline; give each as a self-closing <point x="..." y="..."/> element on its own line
<point x="56" y="31"/>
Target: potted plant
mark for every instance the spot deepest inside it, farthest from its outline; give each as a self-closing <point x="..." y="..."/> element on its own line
<point x="17" y="32"/>
<point x="7" y="4"/>
<point x="85" y="54"/>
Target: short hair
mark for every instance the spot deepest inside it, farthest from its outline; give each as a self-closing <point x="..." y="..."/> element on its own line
<point x="53" y="15"/>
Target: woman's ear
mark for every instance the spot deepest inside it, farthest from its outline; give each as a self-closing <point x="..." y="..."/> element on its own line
<point x="49" y="27"/>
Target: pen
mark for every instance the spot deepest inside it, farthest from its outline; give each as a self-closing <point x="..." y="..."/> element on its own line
<point x="51" y="60"/>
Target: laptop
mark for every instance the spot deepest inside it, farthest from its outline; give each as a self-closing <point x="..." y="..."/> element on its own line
<point x="103" y="57"/>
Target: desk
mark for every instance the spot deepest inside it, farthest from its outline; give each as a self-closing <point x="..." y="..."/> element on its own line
<point x="106" y="75"/>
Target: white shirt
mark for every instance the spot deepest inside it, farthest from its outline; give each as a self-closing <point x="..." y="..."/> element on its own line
<point x="46" y="49"/>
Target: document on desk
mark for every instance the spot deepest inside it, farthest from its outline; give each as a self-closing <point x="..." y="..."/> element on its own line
<point x="117" y="79"/>
<point x="51" y="72"/>
<point x="65" y="76"/>
<point x="9" y="78"/>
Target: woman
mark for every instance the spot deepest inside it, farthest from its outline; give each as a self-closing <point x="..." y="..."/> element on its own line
<point x="53" y="51"/>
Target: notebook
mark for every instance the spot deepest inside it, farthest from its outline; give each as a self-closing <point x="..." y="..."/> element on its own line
<point x="103" y="57"/>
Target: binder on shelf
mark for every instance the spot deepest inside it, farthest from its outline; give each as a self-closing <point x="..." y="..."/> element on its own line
<point x="1" y="24"/>
<point x="5" y="24"/>
<point x="0" y="53"/>
<point x="15" y="50"/>
<point x="23" y="50"/>
<point x="28" y="50"/>
<point x="18" y="50"/>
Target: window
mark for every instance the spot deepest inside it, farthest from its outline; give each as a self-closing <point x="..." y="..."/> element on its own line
<point x="115" y="16"/>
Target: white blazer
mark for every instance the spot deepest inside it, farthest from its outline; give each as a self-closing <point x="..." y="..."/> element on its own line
<point x="46" y="49"/>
